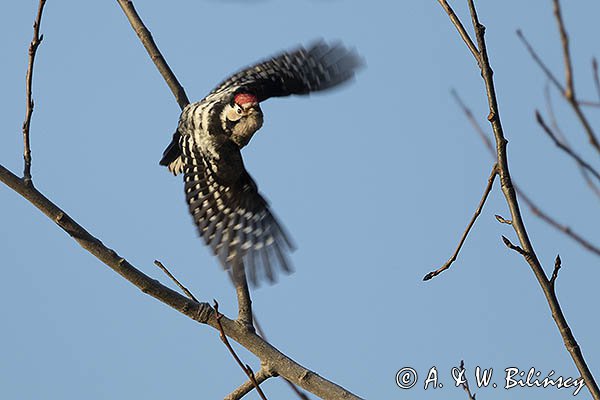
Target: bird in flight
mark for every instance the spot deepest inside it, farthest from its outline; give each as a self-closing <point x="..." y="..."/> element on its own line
<point x="232" y="217"/>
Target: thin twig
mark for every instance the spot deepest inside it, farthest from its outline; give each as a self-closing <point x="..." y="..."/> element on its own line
<point x="550" y="111"/>
<point x="588" y="103"/>
<point x="563" y="139"/>
<point x="567" y="230"/>
<point x="549" y="73"/>
<point x="168" y="273"/>
<point x="465" y="382"/>
<point x="503" y="220"/>
<point x="595" y="74"/>
<point x="33" y="46"/>
<point x="487" y="191"/>
<point x="514" y="247"/>
<point x="540" y="63"/>
<point x="564" y="40"/>
<point x="557" y="265"/>
<point x="572" y="100"/>
<point x="461" y="29"/>
<point x="570" y="89"/>
<point x="513" y="204"/>
<point x="146" y="38"/>
<point x="537" y="211"/>
<point x="581" y="162"/>
<point x="261" y="376"/>
<point x="245" y="367"/>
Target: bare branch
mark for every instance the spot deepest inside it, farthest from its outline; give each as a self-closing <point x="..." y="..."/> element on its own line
<point x="294" y="388"/>
<point x="33" y="46"/>
<point x="588" y="103"/>
<point x="570" y="89"/>
<point x="244" y="302"/>
<point x="478" y="129"/>
<point x="596" y="79"/>
<point x="461" y="29"/>
<point x="540" y="63"/>
<point x="557" y="225"/>
<point x="564" y="39"/>
<point x="567" y="93"/>
<point x="183" y="288"/>
<point x="146" y="38"/>
<point x="201" y="312"/>
<point x="517" y="220"/>
<point x="261" y="376"/>
<point x="537" y="211"/>
<point x="550" y="110"/>
<point x="582" y="163"/>
<point x="502" y="220"/>
<point x="245" y="367"/>
<point x="514" y="247"/>
<point x="563" y="139"/>
<point x="465" y="383"/>
<point x="557" y="265"/>
<point x="238" y="277"/>
<point x="487" y="191"/>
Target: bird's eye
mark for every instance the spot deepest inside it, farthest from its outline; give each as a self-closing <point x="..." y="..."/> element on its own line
<point x="238" y="110"/>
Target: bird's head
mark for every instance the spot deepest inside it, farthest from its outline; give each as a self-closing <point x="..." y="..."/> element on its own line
<point x="243" y="117"/>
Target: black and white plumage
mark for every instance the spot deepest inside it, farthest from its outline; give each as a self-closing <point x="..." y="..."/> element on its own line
<point x="232" y="216"/>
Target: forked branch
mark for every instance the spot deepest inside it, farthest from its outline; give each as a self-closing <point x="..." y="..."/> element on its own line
<point x="526" y="248"/>
<point x="568" y="92"/>
<point x="487" y="191"/>
<point x="535" y="209"/>
<point x="201" y="312"/>
<point x="279" y="364"/>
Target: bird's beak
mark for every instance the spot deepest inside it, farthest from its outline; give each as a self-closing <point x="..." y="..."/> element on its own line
<point x="254" y="108"/>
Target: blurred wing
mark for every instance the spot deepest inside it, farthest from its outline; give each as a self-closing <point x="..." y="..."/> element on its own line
<point x="233" y="218"/>
<point x="301" y="71"/>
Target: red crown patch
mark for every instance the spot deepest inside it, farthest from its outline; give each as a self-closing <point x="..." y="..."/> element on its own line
<point x="244" y="98"/>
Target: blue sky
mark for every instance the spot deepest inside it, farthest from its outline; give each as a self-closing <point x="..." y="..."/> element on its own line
<point x="375" y="182"/>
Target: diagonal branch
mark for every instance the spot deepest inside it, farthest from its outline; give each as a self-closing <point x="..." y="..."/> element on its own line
<point x="595" y="74"/>
<point x="301" y="395"/>
<point x="146" y="38"/>
<point x="461" y="29"/>
<point x="563" y="139"/>
<point x="33" y="46"/>
<point x="581" y="162"/>
<point x="487" y="191"/>
<point x="202" y="312"/>
<point x="540" y="63"/>
<point x="245" y="367"/>
<point x="517" y="220"/>
<point x="261" y="376"/>
<point x="170" y="275"/>
<point x="538" y="212"/>
<point x="567" y="93"/>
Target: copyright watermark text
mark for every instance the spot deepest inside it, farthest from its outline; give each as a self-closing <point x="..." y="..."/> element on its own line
<point x="509" y="378"/>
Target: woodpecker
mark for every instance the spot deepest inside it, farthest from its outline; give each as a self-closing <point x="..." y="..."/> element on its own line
<point x="232" y="217"/>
